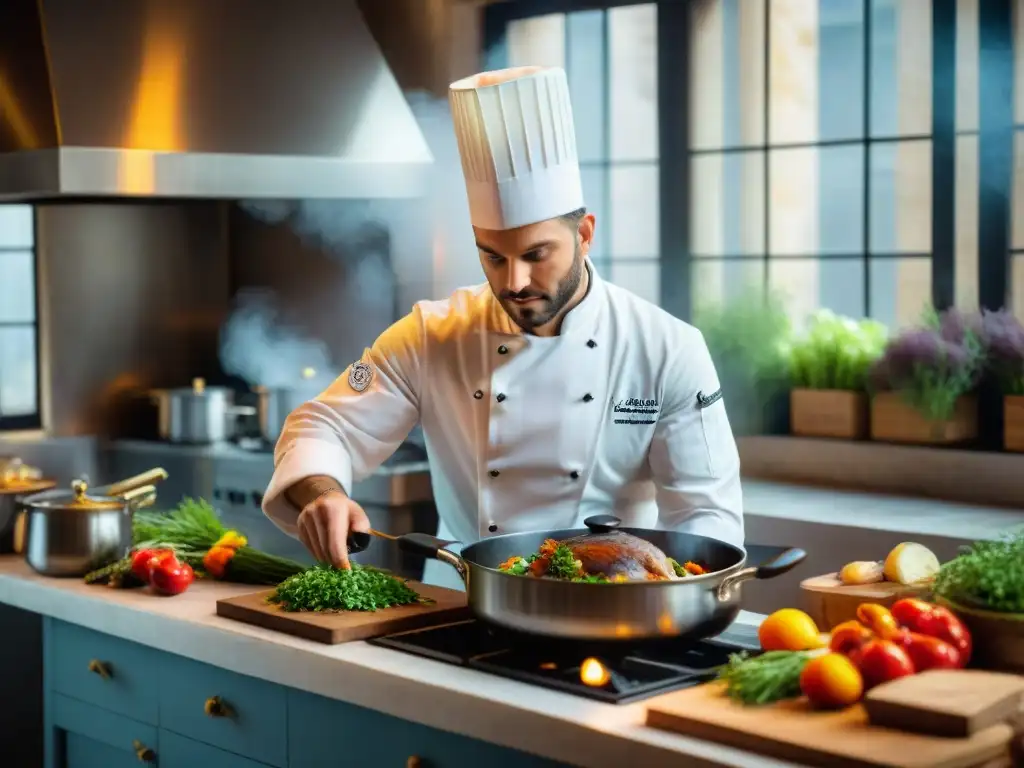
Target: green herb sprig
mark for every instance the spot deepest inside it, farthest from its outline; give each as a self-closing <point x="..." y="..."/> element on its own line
<point x="989" y="575"/>
<point x="765" y="678"/>
<point x="326" y="588"/>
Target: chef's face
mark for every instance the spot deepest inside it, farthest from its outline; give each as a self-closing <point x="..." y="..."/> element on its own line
<point x="537" y="271"/>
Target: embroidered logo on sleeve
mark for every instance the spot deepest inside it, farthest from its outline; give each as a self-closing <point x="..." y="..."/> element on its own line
<point x="359" y="376"/>
<point x="703" y="401"/>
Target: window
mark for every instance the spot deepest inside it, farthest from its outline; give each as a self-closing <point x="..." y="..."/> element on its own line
<point x="1016" y="281"/>
<point x="610" y="58"/>
<point x="19" y="375"/>
<point x="811" y="157"/>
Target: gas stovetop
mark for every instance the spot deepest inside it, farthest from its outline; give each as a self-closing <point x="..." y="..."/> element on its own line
<point x="614" y="674"/>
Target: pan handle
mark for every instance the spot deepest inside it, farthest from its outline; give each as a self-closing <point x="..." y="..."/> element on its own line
<point x="778" y="565"/>
<point x="414" y="543"/>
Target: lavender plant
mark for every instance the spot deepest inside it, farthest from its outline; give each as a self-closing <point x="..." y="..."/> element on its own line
<point x="1003" y="336"/>
<point x="934" y="365"/>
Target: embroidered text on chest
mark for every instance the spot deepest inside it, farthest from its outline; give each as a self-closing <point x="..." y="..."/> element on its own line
<point x="635" y="410"/>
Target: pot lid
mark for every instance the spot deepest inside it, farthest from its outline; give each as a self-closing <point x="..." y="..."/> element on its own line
<point x="18" y="477"/>
<point x="79" y="500"/>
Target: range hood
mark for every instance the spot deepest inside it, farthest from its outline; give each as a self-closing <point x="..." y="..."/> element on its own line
<point x="223" y="99"/>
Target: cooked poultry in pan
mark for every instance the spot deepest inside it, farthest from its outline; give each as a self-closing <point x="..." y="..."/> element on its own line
<point x="614" y="556"/>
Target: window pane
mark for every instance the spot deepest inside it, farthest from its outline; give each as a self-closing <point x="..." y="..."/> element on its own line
<point x="633" y="69"/>
<point x="817" y="70"/>
<point x="727" y="74"/>
<point x="595" y="195"/>
<point x="585" y="72"/>
<point x="901" y="197"/>
<point x="901" y="67"/>
<point x="967" y="65"/>
<point x="17" y="287"/>
<point x="817" y="200"/>
<point x="900" y="289"/>
<point x="809" y="284"/>
<point x="1017" y="285"/>
<point x="1017" y="227"/>
<point x="714" y="281"/>
<point x="634" y="213"/>
<point x="537" y="41"/>
<point x="966" y="271"/>
<point x="793" y="71"/>
<point x="1018" y="53"/>
<point x="642" y="278"/>
<point x="727" y="204"/>
<point x="16" y="226"/>
<point x="18" y="371"/>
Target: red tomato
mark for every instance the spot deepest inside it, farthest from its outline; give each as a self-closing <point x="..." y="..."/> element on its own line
<point x="934" y="621"/>
<point x="171" y="578"/>
<point x="145" y="560"/>
<point x="881" y="661"/>
<point x="927" y="652"/>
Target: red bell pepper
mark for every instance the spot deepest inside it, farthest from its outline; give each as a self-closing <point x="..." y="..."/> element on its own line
<point x="934" y="621"/>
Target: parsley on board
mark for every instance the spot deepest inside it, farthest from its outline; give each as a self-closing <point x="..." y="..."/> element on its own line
<point x="325" y="588"/>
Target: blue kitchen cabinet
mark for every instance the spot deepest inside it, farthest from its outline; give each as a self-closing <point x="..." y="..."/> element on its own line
<point x="112" y="703"/>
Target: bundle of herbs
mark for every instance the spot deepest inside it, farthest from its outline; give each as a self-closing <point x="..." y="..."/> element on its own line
<point x="836" y="353"/>
<point x="989" y="576"/>
<point x="360" y="588"/>
<point x="198" y="537"/>
<point x="1003" y="336"/>
<point x="934" y="365"/>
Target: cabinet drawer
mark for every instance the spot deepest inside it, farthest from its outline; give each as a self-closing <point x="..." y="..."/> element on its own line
<point x="176" y="751"/>
<point x="325" y="733"/>
<point x="101" y="669"/>
<point x="91" y="731"/>
<point x="238" y="713"/>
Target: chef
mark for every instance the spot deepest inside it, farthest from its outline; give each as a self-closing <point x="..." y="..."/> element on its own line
<point x="545" y="394"/>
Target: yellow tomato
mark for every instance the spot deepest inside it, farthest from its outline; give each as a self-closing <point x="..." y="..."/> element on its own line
<point x="831" y="681"/>
<point x="789" y="630"/>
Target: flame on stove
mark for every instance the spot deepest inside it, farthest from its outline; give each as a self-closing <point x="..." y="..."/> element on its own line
<point x="594" y="673"/>
<point x="548" y="665"/>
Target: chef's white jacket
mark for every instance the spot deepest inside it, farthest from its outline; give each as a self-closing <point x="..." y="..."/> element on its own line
<point x="622" y="412"/>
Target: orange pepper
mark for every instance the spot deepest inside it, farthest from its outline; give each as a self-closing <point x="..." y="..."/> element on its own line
<point x="849" y="637"/>
<point x="216" y="561"/>
<point x="878" y="619"/>
<point x="693" y="568"/>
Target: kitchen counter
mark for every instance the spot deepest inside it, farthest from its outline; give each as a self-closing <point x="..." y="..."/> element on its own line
<point x="551" y="724"/>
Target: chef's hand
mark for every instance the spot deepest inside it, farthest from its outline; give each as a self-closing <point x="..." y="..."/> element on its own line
<point x="324" y="525"/>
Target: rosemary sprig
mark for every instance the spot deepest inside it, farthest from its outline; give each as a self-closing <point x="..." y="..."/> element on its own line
<point x="765" y="678"/>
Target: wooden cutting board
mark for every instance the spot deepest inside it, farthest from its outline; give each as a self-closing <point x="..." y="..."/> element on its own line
<point x="792" y="730"/>
<point x="346" y="626"/>
<point x="830" y="602"/>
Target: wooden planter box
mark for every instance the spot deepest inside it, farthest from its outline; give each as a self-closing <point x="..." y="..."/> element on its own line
<point x="1013" y="422"/>
<point x="894" y="421"/>
<point x="828" y="413"/>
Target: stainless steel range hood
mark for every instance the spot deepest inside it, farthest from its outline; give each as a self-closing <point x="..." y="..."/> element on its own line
<point x="200" y="99"/>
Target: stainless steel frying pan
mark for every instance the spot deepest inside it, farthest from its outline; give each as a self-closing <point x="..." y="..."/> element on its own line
<point x="692" y="608"/>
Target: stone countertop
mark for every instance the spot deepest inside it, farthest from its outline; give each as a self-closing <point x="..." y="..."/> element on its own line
<point x="552" y="724"/>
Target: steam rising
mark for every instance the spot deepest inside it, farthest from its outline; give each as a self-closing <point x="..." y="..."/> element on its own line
<point x="426" y="243"/>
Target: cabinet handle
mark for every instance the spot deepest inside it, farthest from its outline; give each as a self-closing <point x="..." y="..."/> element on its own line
<point x="100" y="668"/>
<point x="215" y="706"/>
<point x="143" y="753"/>
<point x="414" y="761"/>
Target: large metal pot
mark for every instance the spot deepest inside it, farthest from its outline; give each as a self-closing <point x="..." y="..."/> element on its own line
<point x="199" y="415"/>
<point x="691" y="608"/>
<point x="71" y="534"/>
<point x="16" y="481"/>
<point x="275" y="403"/>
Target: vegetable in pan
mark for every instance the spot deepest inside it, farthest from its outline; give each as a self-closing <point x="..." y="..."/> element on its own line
<point x="606" y="557"/>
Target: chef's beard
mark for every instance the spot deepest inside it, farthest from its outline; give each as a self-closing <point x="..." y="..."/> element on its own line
<point x="531" y="317"/>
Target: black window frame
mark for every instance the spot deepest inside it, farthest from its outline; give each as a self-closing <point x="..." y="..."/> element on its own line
<point x="32" y="421"/>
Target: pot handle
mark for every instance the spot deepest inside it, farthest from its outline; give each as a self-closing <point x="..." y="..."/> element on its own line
<point x="138" y="498"/>
<point x="415" y="544"/>
<point x="778" y="565"/>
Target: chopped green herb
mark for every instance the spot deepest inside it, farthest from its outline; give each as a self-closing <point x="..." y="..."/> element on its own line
<point x="564" y="564"/>
<point x="325" y="588"/>
<point x="762" y="679"/>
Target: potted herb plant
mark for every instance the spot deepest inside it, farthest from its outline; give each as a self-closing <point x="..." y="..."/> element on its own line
<point x="748" y="339"/>
<point x="984" y="586"/>
<point x="1004" y="342"/>
<point x="924" y="382"/>
<point x="829" y="365"/>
